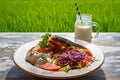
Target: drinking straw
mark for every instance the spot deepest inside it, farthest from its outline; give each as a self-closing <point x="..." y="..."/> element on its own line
<point x="78" y="12"/>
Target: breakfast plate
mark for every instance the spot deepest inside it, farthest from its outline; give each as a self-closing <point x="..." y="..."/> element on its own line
<point x="19" y="58"/>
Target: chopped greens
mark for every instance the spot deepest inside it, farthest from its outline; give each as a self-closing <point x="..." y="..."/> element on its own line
<point x="66" y="68"/>
<point x="44" y="41"/>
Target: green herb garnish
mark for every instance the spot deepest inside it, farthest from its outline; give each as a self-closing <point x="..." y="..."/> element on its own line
<point x="66" y="68"/>
<point x="44" y="41"/>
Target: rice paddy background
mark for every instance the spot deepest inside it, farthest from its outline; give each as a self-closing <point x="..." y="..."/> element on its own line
<point x="56" y="15"/>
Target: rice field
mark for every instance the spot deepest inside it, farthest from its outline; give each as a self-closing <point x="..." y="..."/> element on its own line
<point x="56" y="15"/>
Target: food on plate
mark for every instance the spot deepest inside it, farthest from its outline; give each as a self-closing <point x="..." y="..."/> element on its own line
<point x="51" y="67"/>
<point x="55" y="53"/>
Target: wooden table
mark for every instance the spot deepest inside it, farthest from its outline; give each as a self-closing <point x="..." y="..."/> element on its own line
<point x="109" y="43"/>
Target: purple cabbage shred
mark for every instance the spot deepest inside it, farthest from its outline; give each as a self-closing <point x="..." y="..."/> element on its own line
<point x="71" y="57"/>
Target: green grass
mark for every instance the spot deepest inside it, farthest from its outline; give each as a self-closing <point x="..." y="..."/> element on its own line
<point x="56" y="15"/>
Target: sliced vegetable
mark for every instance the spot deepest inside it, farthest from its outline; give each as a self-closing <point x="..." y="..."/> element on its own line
<point x="50" y="67"/>
<point x="71" y="57"/>
<point x="84" y="63"/>
<point x="87" y="52"/>
<point x="53" y="61"/>
<point x="66" y="68"/>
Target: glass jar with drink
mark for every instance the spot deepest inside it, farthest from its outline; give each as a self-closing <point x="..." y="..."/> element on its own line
<point x="83" y="27"/>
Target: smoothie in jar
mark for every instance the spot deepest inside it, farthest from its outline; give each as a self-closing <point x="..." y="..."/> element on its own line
<point x="83" y="33"/>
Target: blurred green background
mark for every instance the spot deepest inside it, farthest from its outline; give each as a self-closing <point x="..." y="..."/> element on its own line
<point x="56" y="15"/>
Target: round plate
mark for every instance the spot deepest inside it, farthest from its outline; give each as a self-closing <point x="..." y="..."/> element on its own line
<point x="20" y="56"/>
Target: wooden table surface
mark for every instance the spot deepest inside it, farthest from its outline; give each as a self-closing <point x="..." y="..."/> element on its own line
<point x="109" y="44"/>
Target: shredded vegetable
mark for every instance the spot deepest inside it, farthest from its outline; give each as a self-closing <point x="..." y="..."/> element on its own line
<point x="66" y="68"/>
<point x="71" y="57"/>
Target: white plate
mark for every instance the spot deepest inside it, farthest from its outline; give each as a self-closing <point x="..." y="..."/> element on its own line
<point x="20" y="55"/>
